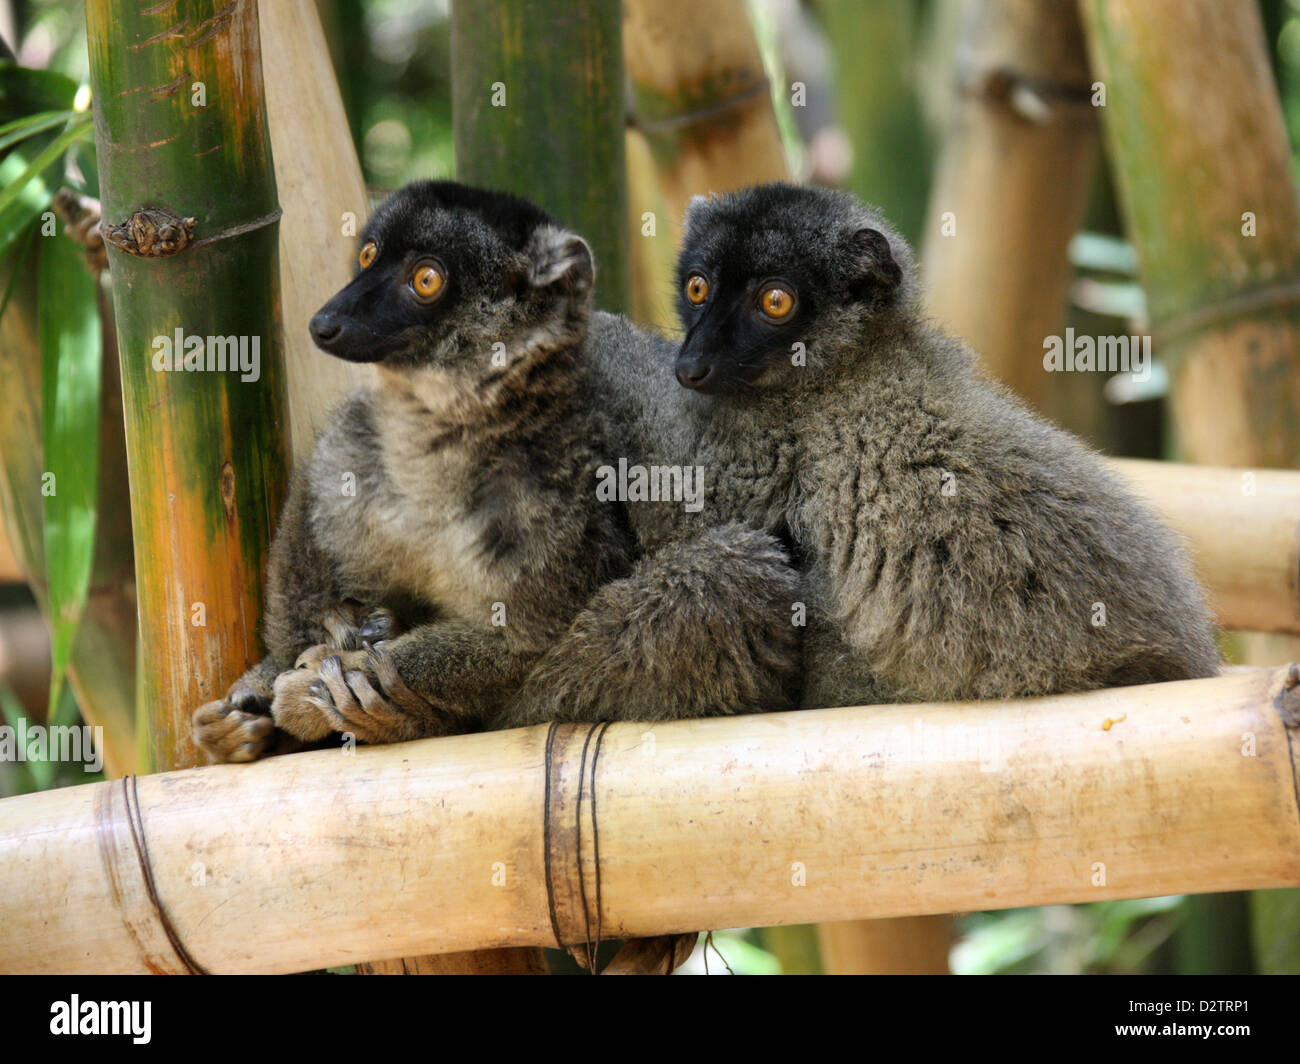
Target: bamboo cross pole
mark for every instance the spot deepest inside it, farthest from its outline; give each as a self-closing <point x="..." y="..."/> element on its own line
<point x="486" y="841"/>
<point x="1243" y="529"/>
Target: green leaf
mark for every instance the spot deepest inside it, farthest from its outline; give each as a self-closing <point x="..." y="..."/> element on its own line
<point x="25" y="91"/>
<point x="27" y="207"/>
<point x="78" y="129"/>
<point x="22" y="128"/>
<point x="68" y="314"/>
<point x="32" y="775"/>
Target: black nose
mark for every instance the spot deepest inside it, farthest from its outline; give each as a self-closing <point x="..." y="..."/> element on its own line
<point x="324" y="328"/>
<point x="692" y="372"/>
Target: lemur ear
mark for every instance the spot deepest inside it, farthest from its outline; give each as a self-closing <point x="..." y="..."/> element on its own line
<point x="875" y="258"/>
<point x="560" y="257"/>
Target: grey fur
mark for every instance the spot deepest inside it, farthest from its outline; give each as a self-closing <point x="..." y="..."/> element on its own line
<point x="989" y="589"/>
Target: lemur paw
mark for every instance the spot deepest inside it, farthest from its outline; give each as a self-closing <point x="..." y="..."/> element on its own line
<point x="235" y="728"/>
<point x="300" y="704"/>
<point x="354" y="692"/>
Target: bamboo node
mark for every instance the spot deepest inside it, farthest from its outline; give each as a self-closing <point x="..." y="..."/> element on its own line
<point x="699" y="116"/>
<point x="1286" y="698"/>
<point x="1029" y="98"/>
<point x="1221" y="313"/>
<point x="151" y="232"/>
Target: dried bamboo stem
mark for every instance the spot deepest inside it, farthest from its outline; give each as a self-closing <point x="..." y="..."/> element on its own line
<point x="1243" y="528"/>
<point x="1011" y="184"/>
<point x="325" y="205"/>
<point x="439" y="846"/>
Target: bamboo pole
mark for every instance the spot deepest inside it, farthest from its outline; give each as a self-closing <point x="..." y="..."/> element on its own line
<point x="509" y="961"/>
<point x="190" y="210"/>
<point x="1243" y="529"/>
<point x="1011" y="184"/>
<point x="1204" y="174"/>
<point x="537" y="95"/>
<point x="325" y="205"/>
<point x="909" y="946"/>
<point x="10" y="571"/>
<point x="875" y="57"/>
<point x="701" y="99"/>
<point x="546" y="122"/>
<point x="443" y="845"/>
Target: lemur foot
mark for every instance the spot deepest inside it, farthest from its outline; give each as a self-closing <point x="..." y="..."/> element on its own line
<point x="239" y="727"/>
<point x="354" y="692"/>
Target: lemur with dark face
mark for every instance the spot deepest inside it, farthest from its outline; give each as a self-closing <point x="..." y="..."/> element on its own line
<point x="447" y="530"/>
<point x="956" y="545"/>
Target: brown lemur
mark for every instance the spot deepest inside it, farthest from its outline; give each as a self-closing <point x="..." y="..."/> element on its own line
<point x="955" y="545"/>
<point x="447" y="529"/>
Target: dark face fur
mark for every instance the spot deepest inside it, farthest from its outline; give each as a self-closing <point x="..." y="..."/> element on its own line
<point x="775" y="266"/>
<point x="448" y="273"/>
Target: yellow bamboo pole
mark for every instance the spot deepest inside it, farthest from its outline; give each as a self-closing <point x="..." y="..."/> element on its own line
<point x="701" y="99"/>
<point x="473" y="842"/>
<point x="1243" y="529"/>
<point x="1011" y="184"/>
<point x="323" y="196"/>
<point x="908" y="946"/>
<point x="10" y="571"/>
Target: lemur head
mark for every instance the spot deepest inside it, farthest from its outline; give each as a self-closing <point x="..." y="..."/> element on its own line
<point x="450" y="277"/>
<point x="777" y="282"/>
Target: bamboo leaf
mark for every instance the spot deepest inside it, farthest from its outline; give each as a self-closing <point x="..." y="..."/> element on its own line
<point x="22" y="128"/>
<point x="27" y="90"/>
<point x="27" y="206"/>
<point x="70" y="383"/>
<point x="31" y="775"/>
<point x="78" y="129"/>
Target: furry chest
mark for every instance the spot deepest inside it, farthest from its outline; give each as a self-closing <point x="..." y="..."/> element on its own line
<point x="755" y="486"/>
<point x="402" y="551"/>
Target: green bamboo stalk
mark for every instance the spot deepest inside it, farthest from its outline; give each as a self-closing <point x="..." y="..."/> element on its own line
<point x="537" y="108"/>
<point x="537" y="95"/>
<point x="1189" y="99"/>
<point x="181" y="130"/>
<point x="875" y="52"/>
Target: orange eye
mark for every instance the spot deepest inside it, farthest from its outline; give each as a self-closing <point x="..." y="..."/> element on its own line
<point x="697" y="289"/>
<point x="369" y="251"/>
<point x="777" y="302"/>
<point x="427" y="281"/>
